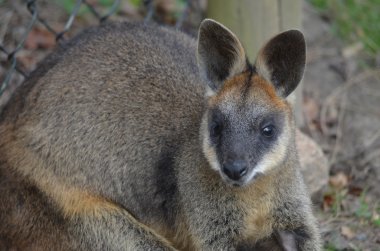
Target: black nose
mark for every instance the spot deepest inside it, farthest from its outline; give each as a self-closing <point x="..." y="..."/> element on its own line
<point x="235" y="169"/>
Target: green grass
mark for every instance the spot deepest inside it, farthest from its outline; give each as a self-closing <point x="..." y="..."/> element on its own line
<point x="366" y="212"/>
<point x="330" y="247"/>
<point x="363" y="211"/>
<point x="336" y="196"/>
<point x="354" y="20"/>
<point x="376" y="220"/>
<point x="136" y="3"/>
<point x="69" y="5"/>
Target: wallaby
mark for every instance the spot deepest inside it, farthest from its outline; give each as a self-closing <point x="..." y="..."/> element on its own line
<point x="137" y="137"/>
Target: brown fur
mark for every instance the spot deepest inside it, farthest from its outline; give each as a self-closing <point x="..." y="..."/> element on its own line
<point x="260" y="89"/>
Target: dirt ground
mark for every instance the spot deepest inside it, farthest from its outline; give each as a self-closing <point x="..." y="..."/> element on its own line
<point x="341" y="107"/>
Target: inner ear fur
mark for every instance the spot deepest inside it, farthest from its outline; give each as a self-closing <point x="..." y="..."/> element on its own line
<point x="282" y="61"/>
<point x="220" y="54"/>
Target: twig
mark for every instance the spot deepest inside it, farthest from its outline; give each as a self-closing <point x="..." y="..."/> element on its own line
<point x="315" y="54"/>
<point x="339" y="129"/>
<point x="366" y="148"/>
<point x="356" y="109"/>
<point x="371" y="155"/>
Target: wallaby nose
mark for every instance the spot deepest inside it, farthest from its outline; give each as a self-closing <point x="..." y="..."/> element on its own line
<point x="235" y="169"/>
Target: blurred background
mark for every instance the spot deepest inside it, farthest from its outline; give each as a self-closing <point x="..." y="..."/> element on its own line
<point x="337" y="106"/>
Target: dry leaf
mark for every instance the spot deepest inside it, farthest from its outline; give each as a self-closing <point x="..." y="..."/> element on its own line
<point x="339" y="180"/>
<point x="352" y="50"/>
<point x="39" y="38"/>
<point x="347" y="232"/>
<point x="166" y="6"/>
<point x="356" y="191"/>
<point x="328" y="201"/>
<point x="375" y="216"/>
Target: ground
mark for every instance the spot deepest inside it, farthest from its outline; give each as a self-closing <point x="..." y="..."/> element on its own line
<point x="341" y="108"/>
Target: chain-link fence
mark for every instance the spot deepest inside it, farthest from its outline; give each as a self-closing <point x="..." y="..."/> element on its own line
<point x="13" y="72"/>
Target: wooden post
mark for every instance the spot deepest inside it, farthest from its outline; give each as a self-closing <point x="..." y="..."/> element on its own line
<point x="256" y="21"/>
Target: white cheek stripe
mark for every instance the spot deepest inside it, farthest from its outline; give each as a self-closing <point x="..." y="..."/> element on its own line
<point x="209" y="92"/>
<point x="273" y="158"/>
<point x="214" y="163"/>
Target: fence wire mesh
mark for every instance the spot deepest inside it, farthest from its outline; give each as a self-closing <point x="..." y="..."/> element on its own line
<point x="13" y="72"/>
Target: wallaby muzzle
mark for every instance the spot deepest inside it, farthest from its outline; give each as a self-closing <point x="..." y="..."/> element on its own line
<point x="235" y="169"/>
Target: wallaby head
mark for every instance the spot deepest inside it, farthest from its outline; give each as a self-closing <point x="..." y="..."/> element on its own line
<point x="248" y="126"/>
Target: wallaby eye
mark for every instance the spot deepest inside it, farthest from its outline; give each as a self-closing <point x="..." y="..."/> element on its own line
<point x="268" y="131"/>
<point x="215" y="129"/>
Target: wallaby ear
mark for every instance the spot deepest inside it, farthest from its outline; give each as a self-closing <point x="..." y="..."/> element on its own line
<point x="278" y="241"/>
<point x="282" y="61"/>
<point x="287" y="241"/>
<point x="220" y="54"/>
